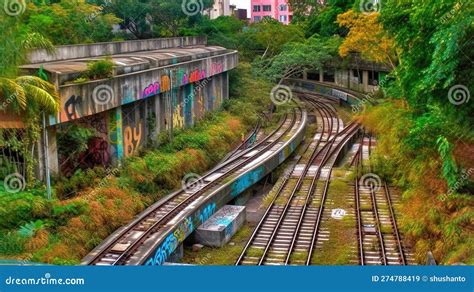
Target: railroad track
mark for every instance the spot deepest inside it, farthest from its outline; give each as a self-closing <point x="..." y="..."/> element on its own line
<point x="290" y="227"/>
<point x="122" y="248"/>
<point x="379" y="240"/>
<point x="251" y="139"/>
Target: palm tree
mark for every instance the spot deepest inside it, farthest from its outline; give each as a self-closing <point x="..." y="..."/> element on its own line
<point x="26" y="93"/>
<point x="28" y="97"/>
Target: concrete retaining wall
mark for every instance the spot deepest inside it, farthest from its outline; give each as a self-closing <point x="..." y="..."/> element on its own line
<point x="90" y="98"/>
<point x="330" y="90"/>
<point x="206" y="206"/>
<point x="113" y="48"/>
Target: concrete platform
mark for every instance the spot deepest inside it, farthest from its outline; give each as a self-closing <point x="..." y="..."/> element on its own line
<point x="219" y="229"/>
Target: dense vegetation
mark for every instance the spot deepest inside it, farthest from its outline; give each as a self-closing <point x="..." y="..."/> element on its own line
<point x="425" y="128"/>
<point x="63" y="231"/>
<point x="423" y="120"/>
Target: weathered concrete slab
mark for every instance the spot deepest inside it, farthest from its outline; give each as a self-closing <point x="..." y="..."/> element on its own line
<point x="177" y="255"/>
<point x="255" y="211"/>
<point x="220" y="228"/>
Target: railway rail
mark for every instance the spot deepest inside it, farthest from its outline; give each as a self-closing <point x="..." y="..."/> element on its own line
<point x="379" y="240"/>
<point x="291" y="223"/>
<point x="119" y="250"/>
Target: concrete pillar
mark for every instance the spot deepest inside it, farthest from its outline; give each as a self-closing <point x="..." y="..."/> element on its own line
<point x="53" y="151"/>
<point x="52" y="154"/>
<point x="365" y="79"/>
<point x="115" y="130"/>
<point x="157" y="113"/>
<point x="348" y="82"/>
<point x="321" y="75"/>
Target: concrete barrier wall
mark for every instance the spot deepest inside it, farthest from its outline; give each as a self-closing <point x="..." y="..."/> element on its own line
<point x="130" y="127"/>
<point x="207" y="206"/>
<point x="90" y="98"/>
<point x="330" y="90"/>
<point x="112" y="48"/>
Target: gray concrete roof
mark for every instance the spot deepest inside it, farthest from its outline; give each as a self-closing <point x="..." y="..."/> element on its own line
<point x="146" y="59"/>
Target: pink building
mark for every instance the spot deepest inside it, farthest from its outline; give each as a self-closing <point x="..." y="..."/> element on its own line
<point x="277" y="9"/>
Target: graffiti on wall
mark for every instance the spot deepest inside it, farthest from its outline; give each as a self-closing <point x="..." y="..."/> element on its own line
<point x="114" y="135"/>
<point x="183" y="230"/>
<point x="132" y="138"/>
<point x="157" y="87"/>
<point x="217" y="68"/>
<point x="178" y="118"/>
<point x="73" y="108"/>
<point x="97" y="154"/>
<point x="247" y="180"/>
<point x="76" y="105"/>
<point x="128" y="93"/>
<point x="182" y="78"/>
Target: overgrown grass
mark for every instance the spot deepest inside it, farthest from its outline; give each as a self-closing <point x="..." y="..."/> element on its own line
<point x="338" y="250"/>
<point x="225" y="256"/>
<point x="431" y="220"/>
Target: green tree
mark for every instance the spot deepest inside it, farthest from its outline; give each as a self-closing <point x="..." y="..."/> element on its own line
<point x="27" y="96"/>
<point x="71" y="21"/>
<point x="323" y="19"/>
<point x="158" y="18"/>
<point x="296" y="57"/>
<point x="273" y="35"/>
<point x="25" y="92"/>
<point x="225" y="31"/>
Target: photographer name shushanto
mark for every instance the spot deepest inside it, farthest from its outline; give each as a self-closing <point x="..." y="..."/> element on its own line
<point x="448" y="279"/>
<point x="45" y="280"/>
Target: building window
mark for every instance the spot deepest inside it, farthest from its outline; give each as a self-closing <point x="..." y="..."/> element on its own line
<point x="283" y="18"/>
<point x="283" y="7"/>
<point x="256" y="8"/>
<point x="257" y="18"/>
<point x="374" y="78"/>
<point x="329" y="75"/>
<point x="357" y="75"/>
<point x="267" y="8"/>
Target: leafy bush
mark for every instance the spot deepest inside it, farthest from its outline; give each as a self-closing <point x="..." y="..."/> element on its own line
<point x="81" y="180"/>
<point x="11" y="243"/>
<point x="30" y="229"/>
<point x="21" y="208"/>
<point x="101" y="69"/>
<point x="409" y="154"/>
